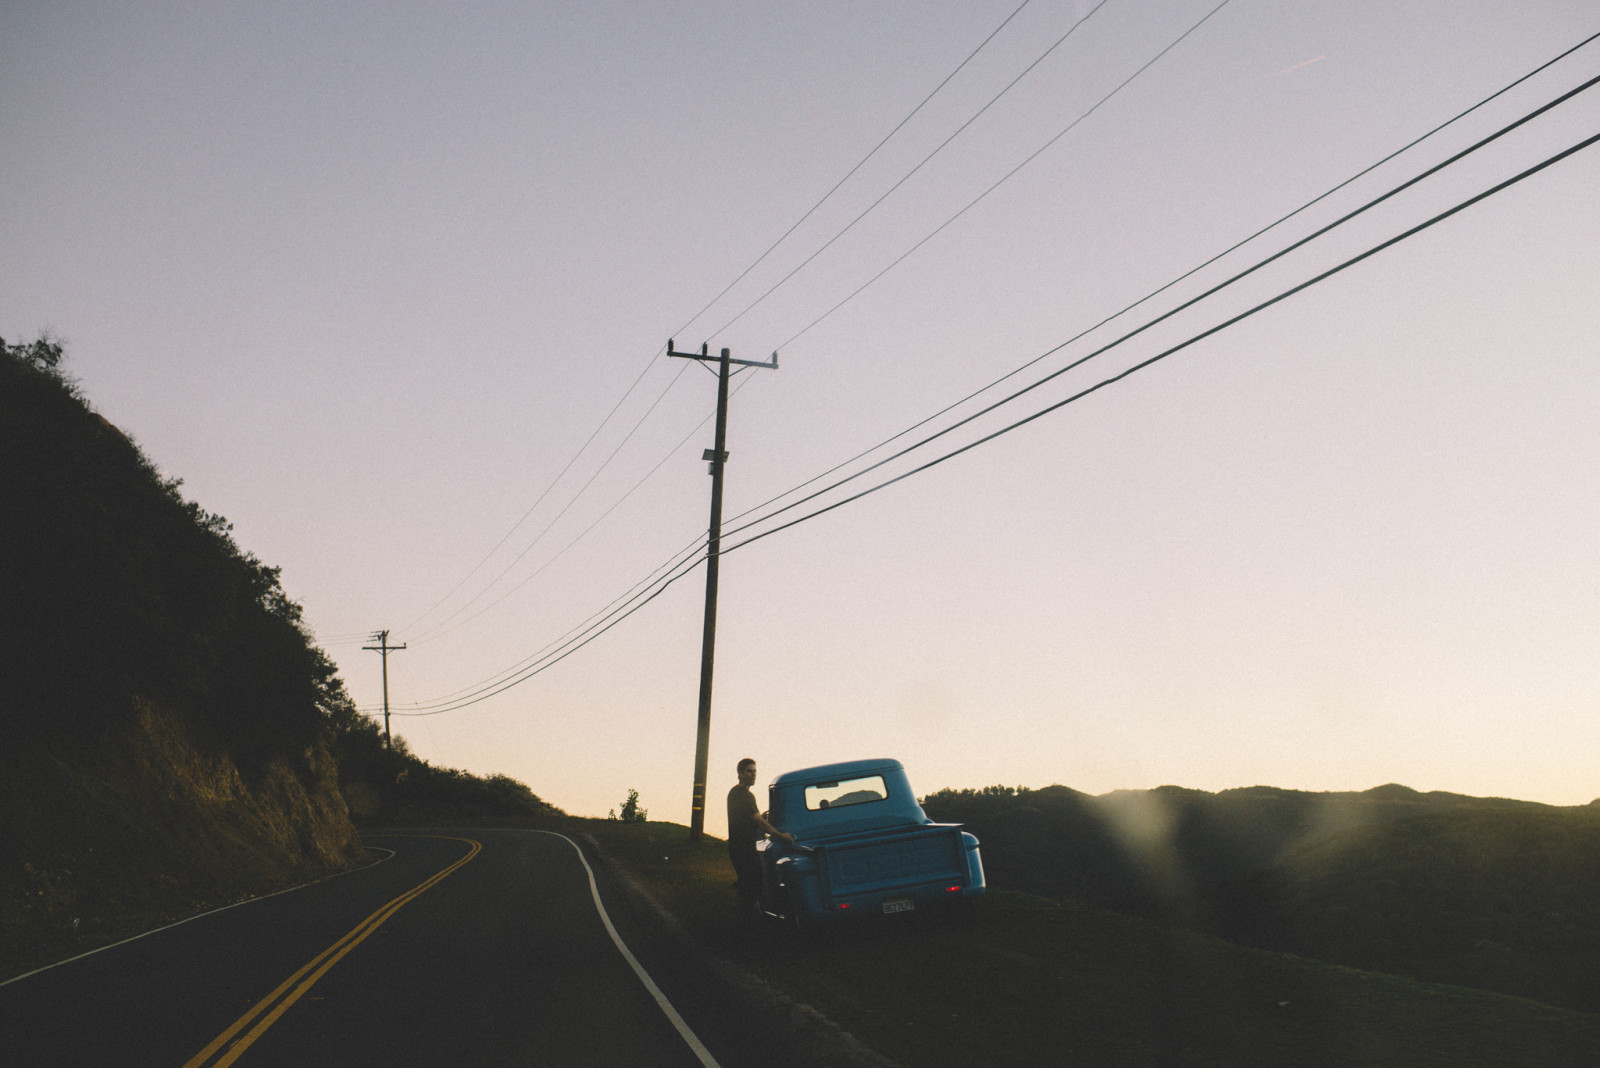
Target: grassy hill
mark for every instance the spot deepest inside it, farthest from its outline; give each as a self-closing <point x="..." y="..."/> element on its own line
<point x="1500" y="898"/>
<point x="1033" y="980"/>
<point x="174" y="739"/>
<point x="1482" y="892"/>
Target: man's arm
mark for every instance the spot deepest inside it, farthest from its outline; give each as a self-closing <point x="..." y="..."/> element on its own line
<point x="761" y="821"/>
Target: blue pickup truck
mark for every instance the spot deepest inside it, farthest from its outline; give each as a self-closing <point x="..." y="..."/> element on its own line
<point x="862" y="846"/>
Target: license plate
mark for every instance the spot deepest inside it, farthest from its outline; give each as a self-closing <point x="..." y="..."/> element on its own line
<point x="900" y="904"/>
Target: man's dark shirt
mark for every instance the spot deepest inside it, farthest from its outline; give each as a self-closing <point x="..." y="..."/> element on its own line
<point x="743" y="832"/>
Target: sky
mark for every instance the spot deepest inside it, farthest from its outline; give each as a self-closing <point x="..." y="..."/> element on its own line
<point x="390" y="285"/>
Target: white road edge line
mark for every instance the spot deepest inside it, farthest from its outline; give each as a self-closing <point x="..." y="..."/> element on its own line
<point x="671" y="1013"/>
<point x="199" y="916"/>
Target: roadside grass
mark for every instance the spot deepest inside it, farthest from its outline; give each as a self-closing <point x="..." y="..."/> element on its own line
<point x="1033" y="980"/>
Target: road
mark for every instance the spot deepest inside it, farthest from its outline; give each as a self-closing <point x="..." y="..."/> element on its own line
<point x="464" y="947"/>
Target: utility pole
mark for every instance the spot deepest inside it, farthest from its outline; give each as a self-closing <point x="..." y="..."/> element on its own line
<point x="718" y="456"/>
<point x="383" y="647"/>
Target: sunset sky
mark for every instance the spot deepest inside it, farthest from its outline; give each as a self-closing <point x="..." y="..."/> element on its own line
<point x="389" y="285"/>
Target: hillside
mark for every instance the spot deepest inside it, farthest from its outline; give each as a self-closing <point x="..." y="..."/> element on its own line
<point x="1483" y="892"/>
<point x="1499" y="898"/>
<point x="174" y="738"/>
<point x="167" y="718"/>
<point x="390" y="787"/>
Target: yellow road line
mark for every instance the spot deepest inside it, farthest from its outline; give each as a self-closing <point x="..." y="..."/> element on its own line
<point x="291" y="989"/>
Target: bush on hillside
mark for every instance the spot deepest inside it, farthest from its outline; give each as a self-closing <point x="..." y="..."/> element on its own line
<point x="393" y="786"/>
<point x="631" y="812"/>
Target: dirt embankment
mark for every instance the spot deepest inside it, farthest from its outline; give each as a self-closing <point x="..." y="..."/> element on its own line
<point x="145" y="827"/>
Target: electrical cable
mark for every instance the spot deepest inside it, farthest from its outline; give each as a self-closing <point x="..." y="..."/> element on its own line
<point x="1181" y="307"/>
<point x="1007" y="177"/>
<point x="1129" y="371"/>
<point x="958" y="214"/>
<point x="616" y="617"/>
<point x="693" y="547"/>
<point x="1185" y="275"/>
<point x="553" y="483"/>
<point x="443" y="625"/>
<point x="1184" y="344"/>
<point x="849" y="174"/>
<point x="907" y="176"/>
<point x="742" y="275"/>
<point x="581" y="535"/>
<point x="629" y="392"/>
<point x="677" y="560"/>
<point x="571" y="647"/>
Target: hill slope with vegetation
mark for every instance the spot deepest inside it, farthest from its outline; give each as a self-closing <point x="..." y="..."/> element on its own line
<point x="392" y="786"/>
<point x="174" y="739"/>
<point x="166" y="715"/>
<point x="1498" y="898"/>
<point x="1483" y="892"/>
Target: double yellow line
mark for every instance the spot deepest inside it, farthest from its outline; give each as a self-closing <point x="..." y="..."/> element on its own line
<point x="264" y="1013"/>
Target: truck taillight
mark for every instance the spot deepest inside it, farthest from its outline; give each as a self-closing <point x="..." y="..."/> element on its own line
<point x="952" y="889"/>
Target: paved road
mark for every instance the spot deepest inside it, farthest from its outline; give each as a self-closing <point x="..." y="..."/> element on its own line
<point x="464" y="948"/>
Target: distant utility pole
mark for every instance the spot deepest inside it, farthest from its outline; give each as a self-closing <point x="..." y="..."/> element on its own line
<point x="383" y="647"/>
<point x="718" y="456"/>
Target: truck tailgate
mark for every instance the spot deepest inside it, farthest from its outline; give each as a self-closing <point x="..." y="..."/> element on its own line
<point x="877" y="864"/>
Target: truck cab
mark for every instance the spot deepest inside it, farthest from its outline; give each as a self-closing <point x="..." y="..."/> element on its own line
<point x="863" y="846"/>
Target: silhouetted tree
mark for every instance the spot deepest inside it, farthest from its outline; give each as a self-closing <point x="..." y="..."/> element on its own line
<point x="631" y="812"/>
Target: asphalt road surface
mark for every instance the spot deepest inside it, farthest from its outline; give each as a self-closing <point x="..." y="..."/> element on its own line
<point x="471" y="947"/>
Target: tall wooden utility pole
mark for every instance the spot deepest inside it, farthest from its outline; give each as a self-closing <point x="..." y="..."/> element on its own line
<point x="718" y="456"/>
<point x="383" y="647"/>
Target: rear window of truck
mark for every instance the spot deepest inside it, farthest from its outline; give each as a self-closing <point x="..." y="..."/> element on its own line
<point x="830" y="795"/>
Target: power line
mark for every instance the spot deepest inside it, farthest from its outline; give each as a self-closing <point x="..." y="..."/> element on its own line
<point x="540" y="499"/>
<point x="439" y="627"/>
<point x="1151" y="62"/>
<point x="848" y="175"/>
<point x="1007" y="176"/>
<point x="693" y="547"/>
<point x="661" y="574"/>
<point x="650" y="363"/>
<point x="613" y="615"/>
<point x="1180" y="307"/>
<point x="436" y="632"/>
<point x="640" y="600"/>
<point x="907" y="176"/>
<point x="1182" y="345"/>
<point x="568" y="648"/>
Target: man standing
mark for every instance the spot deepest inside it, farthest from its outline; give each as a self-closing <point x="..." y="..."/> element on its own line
<point x="745" y="827"/>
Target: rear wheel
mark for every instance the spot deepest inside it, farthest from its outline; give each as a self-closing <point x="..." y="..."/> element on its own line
<point x="786" y="914"/>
